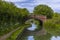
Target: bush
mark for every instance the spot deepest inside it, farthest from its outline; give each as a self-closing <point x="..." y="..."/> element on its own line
<point x="53" y="26"/>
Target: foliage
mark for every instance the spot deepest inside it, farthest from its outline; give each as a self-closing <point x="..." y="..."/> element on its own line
<point x="43" y="10"/>
<point x="37" y="25"/>
<point x="43" y="37"/>
<point x="56" y="15"/>
<point x="17" y="32"/>
<point x="10" y="15"/>
<point x="4" y="29"/>
<point x="53" y="26"/>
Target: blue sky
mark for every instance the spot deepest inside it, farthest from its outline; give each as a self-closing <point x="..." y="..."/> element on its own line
<point x="30" y="4"/>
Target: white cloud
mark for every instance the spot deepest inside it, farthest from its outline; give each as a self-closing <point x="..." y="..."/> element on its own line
<point x="29" y="8"/>
<point x="54" y="4"/>
<point x="15" y="0"/>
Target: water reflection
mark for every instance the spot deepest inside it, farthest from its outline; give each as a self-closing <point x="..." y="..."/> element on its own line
<point x="30" y="38"/>
<point x="30" y="31"/>
<point x="32" y="28"/>
<point x="55" y="38"/>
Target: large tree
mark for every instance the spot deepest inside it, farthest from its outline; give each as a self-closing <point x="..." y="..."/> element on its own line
<point x="8" y="11"/>
<point x="11" y="16"/>
<point x="43" y="10"/>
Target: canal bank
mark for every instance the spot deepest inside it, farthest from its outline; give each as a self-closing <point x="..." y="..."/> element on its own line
<point x="14" y="35"/>
<point x="30" y="34"/>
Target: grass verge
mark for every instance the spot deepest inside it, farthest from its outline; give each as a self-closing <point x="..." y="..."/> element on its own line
<point x="17" y="32"/>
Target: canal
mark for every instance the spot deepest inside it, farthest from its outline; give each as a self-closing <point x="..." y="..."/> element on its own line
<point x="31" y="34"/>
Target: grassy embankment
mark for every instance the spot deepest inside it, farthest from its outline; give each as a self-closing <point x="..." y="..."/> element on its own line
<point x="4" y="29"/>
<point x="52" y="26"/>
<point x="17" y="32"/>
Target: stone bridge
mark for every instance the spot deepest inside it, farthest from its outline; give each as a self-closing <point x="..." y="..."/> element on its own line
<point x="40" y="18"/>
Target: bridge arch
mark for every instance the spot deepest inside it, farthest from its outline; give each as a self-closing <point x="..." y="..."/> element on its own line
<point x="39" y="18"/>
<point x="37" y="22"/>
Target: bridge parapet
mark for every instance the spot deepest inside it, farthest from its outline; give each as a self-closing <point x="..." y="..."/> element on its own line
<point x="39" y="17"/>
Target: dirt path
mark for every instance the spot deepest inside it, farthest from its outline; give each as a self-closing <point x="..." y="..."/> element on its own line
<point x="4" y="37"/>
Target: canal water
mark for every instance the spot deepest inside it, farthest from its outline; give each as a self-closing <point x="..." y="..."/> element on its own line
<point x="31" y="34"/>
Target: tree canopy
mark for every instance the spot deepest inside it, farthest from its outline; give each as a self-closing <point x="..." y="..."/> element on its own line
<point x="43" y="10"/>
<point x="10" y="15"/>
<point x="8" y="11"/>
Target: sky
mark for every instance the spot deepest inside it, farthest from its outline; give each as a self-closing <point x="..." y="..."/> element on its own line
<point x="30" y="4"/>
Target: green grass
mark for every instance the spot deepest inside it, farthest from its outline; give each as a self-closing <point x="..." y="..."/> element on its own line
<point x="53" y="26"/>
<point x="17" y="32"/>
<point x="4" y="29"/>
